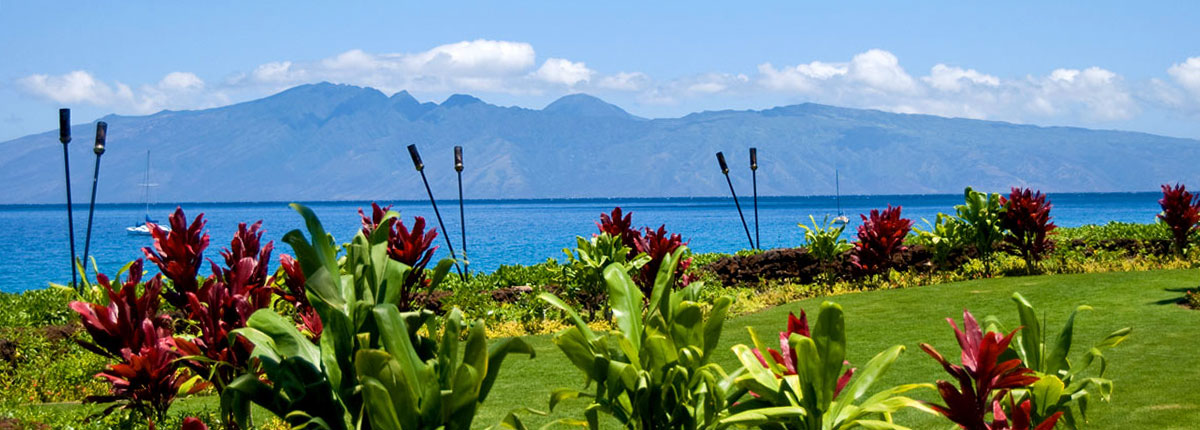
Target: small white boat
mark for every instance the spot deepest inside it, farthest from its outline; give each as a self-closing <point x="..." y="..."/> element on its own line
<point x="143" y="228"/>
<point x="841" y="218"/>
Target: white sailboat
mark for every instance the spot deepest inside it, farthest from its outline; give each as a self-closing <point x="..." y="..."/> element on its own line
<point x="841" y="218"/>
<point x="142" y="228"/>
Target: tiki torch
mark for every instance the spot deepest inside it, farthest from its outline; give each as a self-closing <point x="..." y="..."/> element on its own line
<point x="101" y="135"/>
<point x="754" y="186"/>
<point x="64" y="136"/>
<point x="462" y="220"/>
<point x="725" y="171"/>
<point x="416" y="159"/>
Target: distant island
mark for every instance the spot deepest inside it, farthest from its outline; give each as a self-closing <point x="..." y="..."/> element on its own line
<point x="341" y="142"/>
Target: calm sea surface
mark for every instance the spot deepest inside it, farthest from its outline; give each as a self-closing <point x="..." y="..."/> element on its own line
<point x="34" y="249"/>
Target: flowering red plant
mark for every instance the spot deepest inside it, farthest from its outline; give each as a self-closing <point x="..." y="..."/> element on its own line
<point x="1026" y="216"/>
<point x="307" y="319"/>
<point x="147" y="379"/>
<point x="224" y="303"/>
<point x="617" y="226"/>
<point x="1181" y="212"/>
<point x="370" y="223"/>
<point x="879" y="237"/>
<point x="117" y="326"/>
<point x="414" y="248"/>
<point x="193" y="423"/>
<point x="247" y="254"/>
<point x="787" y="357"/>
<point x="178" y="254"/>
<point x="983" y="381"/>
<point x="658" y="244"/>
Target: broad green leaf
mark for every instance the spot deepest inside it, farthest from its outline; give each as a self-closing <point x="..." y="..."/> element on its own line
<point x="829" y="337"/>
<point x="1046" y="393"/>
<point x="497" y="352"/>
<point x="574" y="316"/>
<point x="626" y="301"/>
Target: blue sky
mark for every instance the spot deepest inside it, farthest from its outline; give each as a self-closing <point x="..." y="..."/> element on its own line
<point x="1112" y="65"/>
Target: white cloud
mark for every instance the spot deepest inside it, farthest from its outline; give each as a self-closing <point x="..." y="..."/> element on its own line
<point x="560" y="71"/>
<point x="881" y="70"/>
<point x="1187" y="74"/>
<point x="948" y="78"/>
<point x="176" y="89"/>
<point x="75" y="87"/>
<point x="625" y="81"/>
<point x="802" y="78"/>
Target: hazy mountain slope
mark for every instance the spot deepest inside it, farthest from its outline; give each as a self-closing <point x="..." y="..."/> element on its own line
<point x="333" y="142"/>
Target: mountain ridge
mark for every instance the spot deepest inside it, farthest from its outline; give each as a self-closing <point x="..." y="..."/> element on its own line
<point x="342" y="142"/>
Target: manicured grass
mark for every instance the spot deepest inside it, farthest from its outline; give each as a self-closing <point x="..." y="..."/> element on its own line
<point x="1156" y="371"/>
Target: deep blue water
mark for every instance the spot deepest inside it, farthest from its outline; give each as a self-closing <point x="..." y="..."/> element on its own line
<point x="34" y="250"/>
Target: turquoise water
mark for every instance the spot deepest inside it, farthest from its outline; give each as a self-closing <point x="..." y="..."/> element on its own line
<point x="34" y="250"/>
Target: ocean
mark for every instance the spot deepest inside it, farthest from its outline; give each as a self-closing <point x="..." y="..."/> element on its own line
<point x="34" y="246"/>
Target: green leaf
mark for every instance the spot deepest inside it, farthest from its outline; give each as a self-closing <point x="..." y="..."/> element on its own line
<point x="574" y="316"/>
<point x="870" y="373"/>
<point x="1031" y="342"/>
<point x="1046" y="393"/>
<point x="626" y="301"/>
<point x="829" y="337"/>
<point x="714" y="323"/>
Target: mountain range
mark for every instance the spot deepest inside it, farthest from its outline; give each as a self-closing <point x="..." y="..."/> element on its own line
<point x="340" y="142"/>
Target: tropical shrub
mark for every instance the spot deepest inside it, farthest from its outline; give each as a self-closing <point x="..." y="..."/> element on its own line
<point x="621" y="227"/>
<point x="294" y="295"/>
<point x="982" y="214"/>
<point x="656" y="370"/>
<point x="799" y="387"/>
<point x="1181" y="212"/>
<point x="374" y="366"/>
<point x="147" y="377"/>
<point x="824" y="239"/>
<point x="944" y="235"/>
<point x="413" y="249"/>
<point x="178" y="253"/>
<point x="1026" y="217"/>
<point x="879" y="237"/>
<point x="223" y="301"/>
<point x="584" y="270"/>
<point x="984" y="381"/>
<point x="657" y="245"/>
<point x="1062" y="387"/>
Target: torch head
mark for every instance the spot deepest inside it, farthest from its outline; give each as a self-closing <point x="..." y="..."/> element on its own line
<point x="721" y="161"/>
<point x="101" y="135"/>
<point x="64" y="126"/>
<point x="416" y="158"/>
<point x="753" y="158"/>
<point x="458" y="159"/>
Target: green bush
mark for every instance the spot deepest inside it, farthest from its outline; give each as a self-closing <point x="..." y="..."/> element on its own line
<point x="1114" y="230"/>
<point x="36" y="308"/>
<point x="824" y="239"/>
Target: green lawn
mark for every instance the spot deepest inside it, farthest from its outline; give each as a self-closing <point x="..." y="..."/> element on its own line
<point x="1156" y="372"/>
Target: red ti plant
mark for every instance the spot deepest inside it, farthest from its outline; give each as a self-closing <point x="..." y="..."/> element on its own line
<point x="983" y="381"/>
<point x="658" y="244"/>
<point x="617" y="226"/>
<point x="880" y="236"/>
<point x="370" y="223"/>
<point x="117" y="326"/>
<point x="178" y="254"/>
<point x="414" y="248"/>
<point x="1026" y="216"/>
<point x="147" y="379"/>
<point x="1181" y="212"/>
<point x="787" y="357"/>
<point x="307" y="320"/>
<point x="224" y="303"/>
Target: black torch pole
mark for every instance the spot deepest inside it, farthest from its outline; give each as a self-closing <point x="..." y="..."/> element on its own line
<point x="754" y="185"/>
<point x="462" y="219"/>
<point x="725" y="171"/>
<point x="64" y="136"/>
<point x="416" y="159"/>
<point x="101" y="136"/>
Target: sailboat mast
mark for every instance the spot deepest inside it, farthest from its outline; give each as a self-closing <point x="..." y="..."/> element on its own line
<point x="837" y="187"/>
<point x="146" y="184"/>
